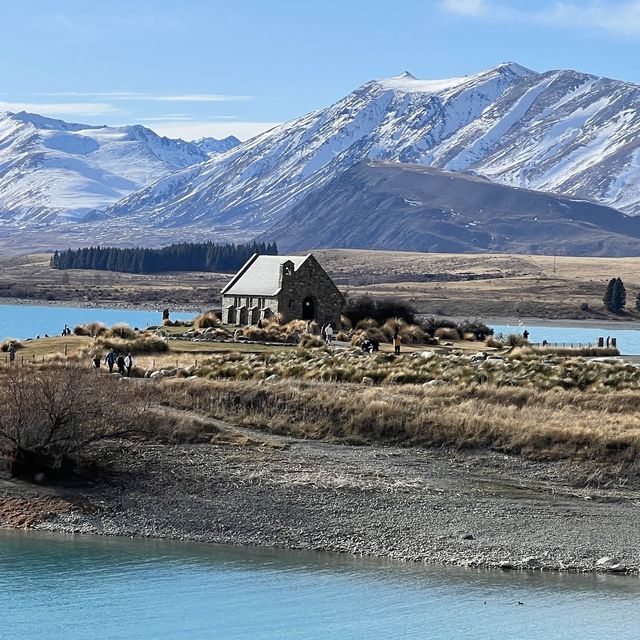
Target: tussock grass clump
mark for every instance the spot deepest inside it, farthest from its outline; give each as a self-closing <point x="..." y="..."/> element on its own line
<point x="273" y="331"/>
<point x="515" y="340"/>
<point x="141" y="344"/>
<point x="494" y="343"/>
<point x="309" y="341"/>
<point x="93" y="329"/>
<point x="4" y="347"/>
<point x="447" y="333"/>
<point x="121" y="330"/>
<point x="206" y="320"/>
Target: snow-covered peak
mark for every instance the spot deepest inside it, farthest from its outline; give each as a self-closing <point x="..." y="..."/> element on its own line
<point x="53" y="169"/>
<point x="42" y="122"/>
<point x="408" y="83"/>
<point x="214" y="146"/>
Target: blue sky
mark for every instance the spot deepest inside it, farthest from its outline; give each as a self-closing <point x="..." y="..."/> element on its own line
<point x="194" y="67"/>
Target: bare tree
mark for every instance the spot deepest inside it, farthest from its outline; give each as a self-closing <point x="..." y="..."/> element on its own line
<point x="49" y="416"/>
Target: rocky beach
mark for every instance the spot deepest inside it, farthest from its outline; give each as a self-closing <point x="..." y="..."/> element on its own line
<point x="244" y="487"/>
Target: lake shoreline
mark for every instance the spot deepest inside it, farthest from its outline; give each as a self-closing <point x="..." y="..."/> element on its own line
<point x="84" y="304"/>
<point x="473" y="509"/>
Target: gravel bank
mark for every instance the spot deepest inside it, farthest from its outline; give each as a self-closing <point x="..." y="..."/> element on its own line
<point x="467" y="509"/>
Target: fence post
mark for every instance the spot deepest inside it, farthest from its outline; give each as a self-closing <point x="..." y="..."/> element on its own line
<point x="65" y="349"/>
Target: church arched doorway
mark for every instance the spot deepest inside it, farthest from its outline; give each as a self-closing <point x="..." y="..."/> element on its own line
<point x="308" y="308"/>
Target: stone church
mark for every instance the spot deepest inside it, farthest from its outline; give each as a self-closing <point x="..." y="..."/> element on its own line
<point x="296" y="287"/>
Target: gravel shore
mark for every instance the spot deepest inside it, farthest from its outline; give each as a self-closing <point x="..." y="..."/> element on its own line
<point x="469" y="509"/>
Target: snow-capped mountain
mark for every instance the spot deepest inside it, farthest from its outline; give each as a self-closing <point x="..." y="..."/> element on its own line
<point x="562" y="131"/>
<point x="213" y="146"/>
<point x="52" y="170"/>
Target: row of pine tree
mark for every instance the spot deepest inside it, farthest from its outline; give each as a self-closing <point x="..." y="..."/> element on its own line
<point x="185" y="256"/>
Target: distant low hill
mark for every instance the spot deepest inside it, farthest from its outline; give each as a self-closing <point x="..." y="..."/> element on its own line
<point x="389" y="205"/>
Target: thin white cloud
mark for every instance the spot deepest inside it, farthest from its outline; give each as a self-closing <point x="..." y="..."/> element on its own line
<point x="61" y="108"/>
<point x="202" y="129"/>
<point x="619" y="18"/>
<point x="154" y="97"/>
<point x="465" y="7"/>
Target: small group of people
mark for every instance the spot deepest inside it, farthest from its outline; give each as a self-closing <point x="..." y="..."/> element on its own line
<point x="113" y="359"/>
<point x="66" y="331"/>
<point x="371" y="345"/>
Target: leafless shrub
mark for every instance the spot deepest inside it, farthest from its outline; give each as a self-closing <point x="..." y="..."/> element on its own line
<point x="51" y="415"/>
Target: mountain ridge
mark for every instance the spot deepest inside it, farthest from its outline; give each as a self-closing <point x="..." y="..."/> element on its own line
<point x="52" y="170"/>
<point x="562" y="131"/>
<point x="393" y="206"/>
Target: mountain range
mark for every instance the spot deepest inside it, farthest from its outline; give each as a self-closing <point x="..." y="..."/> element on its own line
<point x="560" y="131"/>
<point x="409" y="207"/>
<point x="51" y="170"/>
<point x="563" y="132"/>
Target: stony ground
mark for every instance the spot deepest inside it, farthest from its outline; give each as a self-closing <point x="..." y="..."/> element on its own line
<point x="470" y="509"/>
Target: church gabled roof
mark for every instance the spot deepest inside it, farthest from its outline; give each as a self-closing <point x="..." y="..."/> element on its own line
<point x="260" y="275"/>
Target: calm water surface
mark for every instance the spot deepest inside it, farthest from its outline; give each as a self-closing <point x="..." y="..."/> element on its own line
<point x="25" y="321"/>
<point x="84" y="587"/>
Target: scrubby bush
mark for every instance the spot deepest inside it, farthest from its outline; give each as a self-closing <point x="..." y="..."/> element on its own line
<point x="4" y="347"/>
<point x="479" y="330"/>
<point x="380" y="310"/>
<point x="431" y="325"/>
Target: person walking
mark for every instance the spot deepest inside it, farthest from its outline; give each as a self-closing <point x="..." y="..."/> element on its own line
<point x="11" y="350"/>
<point x="96" y="361"/>
<point x="120" y="363"/>
<point x="110" y="360"/>
<point x="396" y="343"/>
<point x="128" y="364"/>
<point x="328" y="332"/>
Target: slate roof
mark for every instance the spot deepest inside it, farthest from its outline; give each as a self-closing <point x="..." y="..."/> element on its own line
<point x="260" y="276"/>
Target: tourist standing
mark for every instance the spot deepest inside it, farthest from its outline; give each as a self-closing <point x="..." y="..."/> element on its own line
<point x="396" y="342"/>
<point x="120" y="363"/>
<point x="11" y="350"/>
<point x="128" y="363"/>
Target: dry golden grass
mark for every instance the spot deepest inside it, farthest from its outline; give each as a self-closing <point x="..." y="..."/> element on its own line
<point x="526" y="421"/>
<point x="206" y="320"/>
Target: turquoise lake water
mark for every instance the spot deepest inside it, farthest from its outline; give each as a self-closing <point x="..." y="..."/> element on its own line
<point x="26" y="321"/>
<point x="61" y="587"/>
